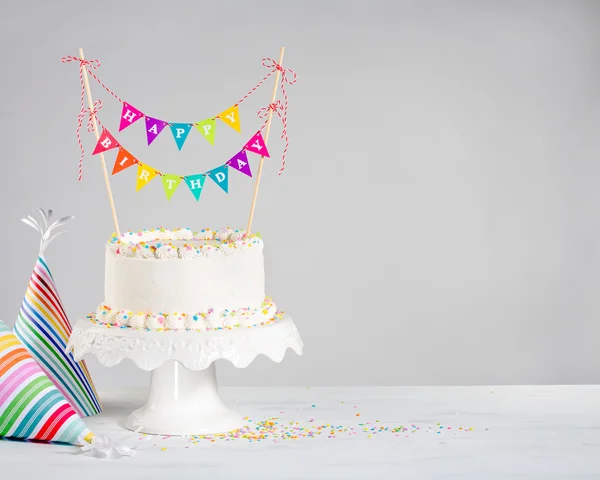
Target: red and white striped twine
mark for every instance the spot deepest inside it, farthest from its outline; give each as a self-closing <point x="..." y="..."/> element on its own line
<point x="88" y="64"/>
<point x="104" y="86"/>
<point x="257" y="86"/>
<point x="277" y="107"/>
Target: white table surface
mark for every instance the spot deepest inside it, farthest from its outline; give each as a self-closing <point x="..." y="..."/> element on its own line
<point x="517" y="432"/>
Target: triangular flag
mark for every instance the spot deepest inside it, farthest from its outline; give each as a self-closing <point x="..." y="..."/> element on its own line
<point x="240" y="162"/>
<point x="180" y="132"/>
<point x="124" y="160"/>
<point x="257" y="145"/>
<point x="44" y="329"/>
<point x="220" y="176"/>
<point x="144" y="175"/>
<point x="195" y="183"/>
<point x="129" y="115"/>
<point x="105" y="142"/>
<point x="31" y="407"/>
<point x="231" y="118"/>
<point x="170" y="184"/>
<point x="153" y="128"/>
<point x="207" y="129"/>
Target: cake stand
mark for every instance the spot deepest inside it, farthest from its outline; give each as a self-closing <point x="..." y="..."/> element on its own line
<point x="184" y="398"/>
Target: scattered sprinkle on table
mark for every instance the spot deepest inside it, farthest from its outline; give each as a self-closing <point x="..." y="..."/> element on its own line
<point x="277" y="429"/>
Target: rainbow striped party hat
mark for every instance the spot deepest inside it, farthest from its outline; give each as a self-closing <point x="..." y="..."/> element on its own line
<point x="31" y="407"/>
<point x="44" y="328"/>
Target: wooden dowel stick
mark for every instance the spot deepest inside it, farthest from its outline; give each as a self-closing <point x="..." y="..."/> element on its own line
<point x="106" y="177"/>
<point x="266" y="138"/>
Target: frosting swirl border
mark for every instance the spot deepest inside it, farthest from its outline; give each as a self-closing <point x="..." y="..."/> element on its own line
<point x="156" y="243"/>
<point x="210" y="320"/>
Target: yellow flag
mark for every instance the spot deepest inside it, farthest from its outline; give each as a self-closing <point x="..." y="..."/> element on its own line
<point x="144" y="175"/>
<point x="231" y="117"/>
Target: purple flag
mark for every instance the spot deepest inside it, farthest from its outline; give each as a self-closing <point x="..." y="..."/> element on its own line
<point x="240" y="162"/>
<point x="153" y="128"/>
<point x="129" y="116"/>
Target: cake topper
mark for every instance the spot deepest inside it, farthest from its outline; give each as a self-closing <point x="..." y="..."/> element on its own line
<point x="257" y="143"/>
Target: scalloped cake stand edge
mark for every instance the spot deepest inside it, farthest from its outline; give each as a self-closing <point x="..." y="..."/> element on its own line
<point x="184" y="397"/>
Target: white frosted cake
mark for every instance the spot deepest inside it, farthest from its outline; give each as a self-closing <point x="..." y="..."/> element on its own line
<point x="183" y="280"/>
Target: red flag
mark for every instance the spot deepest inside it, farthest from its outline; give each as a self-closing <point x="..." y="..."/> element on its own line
<point x="105" y="142"/>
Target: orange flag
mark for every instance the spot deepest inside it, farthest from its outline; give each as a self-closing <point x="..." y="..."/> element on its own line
<point x="124" y="160"/>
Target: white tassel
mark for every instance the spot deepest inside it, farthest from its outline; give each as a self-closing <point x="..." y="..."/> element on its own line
<point x="102" y="446"/>
<point x="44" y="229"/>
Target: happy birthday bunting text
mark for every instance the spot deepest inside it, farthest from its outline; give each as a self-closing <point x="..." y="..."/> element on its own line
<point x="180" y="131"/>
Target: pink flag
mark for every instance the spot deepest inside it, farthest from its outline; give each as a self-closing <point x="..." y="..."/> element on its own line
<point x="240" y="162"/>
<point x="257" y="145"/>
<point x="129" y="116"/>
<point x="105" y="142"/>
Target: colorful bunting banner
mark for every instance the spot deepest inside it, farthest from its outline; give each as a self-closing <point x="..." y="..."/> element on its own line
<point x="207" y="129"/>
<point x="144" y="175"/>
<point x="31" y="407"/>
<point x="153" y="128"/>
<point x="231" y="118"/>
<point x="195" y="183"/>
<point x="240" y="162"/>
<point x="170" y="184"/>
<point x="180" y="132"/>
<point x="129" y="116"/>
<point x="220" y="176"/>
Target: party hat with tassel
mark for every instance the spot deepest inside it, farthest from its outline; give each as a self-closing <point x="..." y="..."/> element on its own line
<point x="44" y="328"/>
<point x="31" y="407"/>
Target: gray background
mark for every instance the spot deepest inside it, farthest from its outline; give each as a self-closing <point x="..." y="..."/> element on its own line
<point x="437" y="223"/>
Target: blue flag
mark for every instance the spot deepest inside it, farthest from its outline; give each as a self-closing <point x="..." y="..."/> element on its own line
<point x="180" y="132"/>
<point x="220" y="176"/>
<point x="195" y="183"/>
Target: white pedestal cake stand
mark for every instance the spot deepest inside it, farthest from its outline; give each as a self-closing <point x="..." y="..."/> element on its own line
<point x="183" y="398"/>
